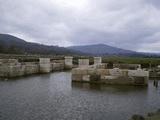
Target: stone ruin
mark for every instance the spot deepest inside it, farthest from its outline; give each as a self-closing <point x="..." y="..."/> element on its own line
<point x="13" y="68"/>
<point x="68" y="62"/>
<point x="101" y="74"/>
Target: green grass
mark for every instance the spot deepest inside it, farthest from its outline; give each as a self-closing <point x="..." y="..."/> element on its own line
<point x="145" y="62"/>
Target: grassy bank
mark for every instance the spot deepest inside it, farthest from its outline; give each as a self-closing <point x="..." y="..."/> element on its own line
<point x="145" y="62"/>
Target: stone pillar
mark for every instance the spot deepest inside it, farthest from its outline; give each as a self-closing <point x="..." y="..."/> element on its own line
<point x="68" y="62"/>
<point x="83" y="63"/>
<point x="97" y="60"/>
<point x="45" y="65"/>
<point x="139" y="66"/>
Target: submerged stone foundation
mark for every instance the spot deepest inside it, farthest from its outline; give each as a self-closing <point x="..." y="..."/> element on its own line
<point x="98" y="73"/>
<point x="110" y="76"/>
<point x="10" y="68"/>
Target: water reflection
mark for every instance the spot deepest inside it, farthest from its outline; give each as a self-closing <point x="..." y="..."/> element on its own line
<point x="101" y="87"/>
<point x="55" y="97"/>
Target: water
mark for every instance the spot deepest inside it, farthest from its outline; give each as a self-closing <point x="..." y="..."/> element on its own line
<point x="54" y="97"/>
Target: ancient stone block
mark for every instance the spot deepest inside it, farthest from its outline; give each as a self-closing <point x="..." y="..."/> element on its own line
<point x="91" y="71"/>
<point x="68" y="62"/>
<point x="83" y="63"/>
<point x="102" y="71"/>
<point x="86" y="78"/>
<point x="81" y="71"/>
<point x="57" y="66"/>
<point x="31" y="68"/>
<point x="97" y="60"/>
<point x="45" y="65"/>
<point x="124" y="72"/>
<point x="115" y="72"/>
<point x="138" y="72"/>
<point x="108" y="77"/>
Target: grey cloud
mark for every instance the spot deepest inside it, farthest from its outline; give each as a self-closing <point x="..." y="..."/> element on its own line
<point x="155" y="3"/>
<point x="126" y="24"/>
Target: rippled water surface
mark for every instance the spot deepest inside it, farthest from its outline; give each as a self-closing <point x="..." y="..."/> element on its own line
<point x="54" y="97"/>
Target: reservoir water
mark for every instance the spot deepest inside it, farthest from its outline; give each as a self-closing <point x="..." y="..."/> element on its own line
<point x="55" y="97"/>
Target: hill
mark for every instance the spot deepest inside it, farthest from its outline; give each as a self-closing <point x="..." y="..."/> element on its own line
<point x="103" y="50"/>
<point x="12" y="45"/>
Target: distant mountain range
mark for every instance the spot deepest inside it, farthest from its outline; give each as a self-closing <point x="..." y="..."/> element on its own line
<point x="106" y="50"/>
<point x="12" y="45"/>
<point x="102" y="49"/>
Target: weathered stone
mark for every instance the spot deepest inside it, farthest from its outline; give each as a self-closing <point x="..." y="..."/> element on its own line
<point x="102" y="71"/>
<point x="45" y="65"/>
<point x="124" y="72"/>
<point x="57" y="66"/>
<point x="111" y="76"/>
<point x="86" y="78"/>
<point x="83" y="63"/>
<point x="8" y="60"/>
<point x="44" y="60"/>
<point x="138" y="72"/>
<point x="101" y="66"/>
<point x="108" y="77"/>
<point x="82" y="71"/>
<point x="97" y="60"/>
<point x="31" y="68"/>
<point x="68" y="62"/>
<point x="8" y="71"/>
<point x="91" y="71"/>
<point x="115" y="72"/>
<point x="16" y="69"/>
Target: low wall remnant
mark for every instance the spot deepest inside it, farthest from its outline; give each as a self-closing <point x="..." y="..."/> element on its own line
<point x="68" y="62"/>
<point x="83" y="63"/>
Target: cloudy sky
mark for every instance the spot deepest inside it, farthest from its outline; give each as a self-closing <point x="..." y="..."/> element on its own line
<point x="128" y="24"/>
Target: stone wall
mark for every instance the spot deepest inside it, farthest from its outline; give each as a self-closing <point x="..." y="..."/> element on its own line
<point x="31" y="68"/>
<point x="12" y="68"/>
<point x="101" y="66"/>
<point x="45" y="65"/>
<point x="83" y="63"/>
<point x="57" y="66"/>
<point x="8" y="71"/>
<point x="110" y="76"/>
<point x="8" y="61"/>
<point x="97" y="60"/>
<point x="68" y="62"/>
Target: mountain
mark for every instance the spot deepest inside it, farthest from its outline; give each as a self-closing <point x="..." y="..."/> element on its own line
<point x="12" y="45"/>
<point x="102" y="50"/>
<point x="106" y="50"/>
